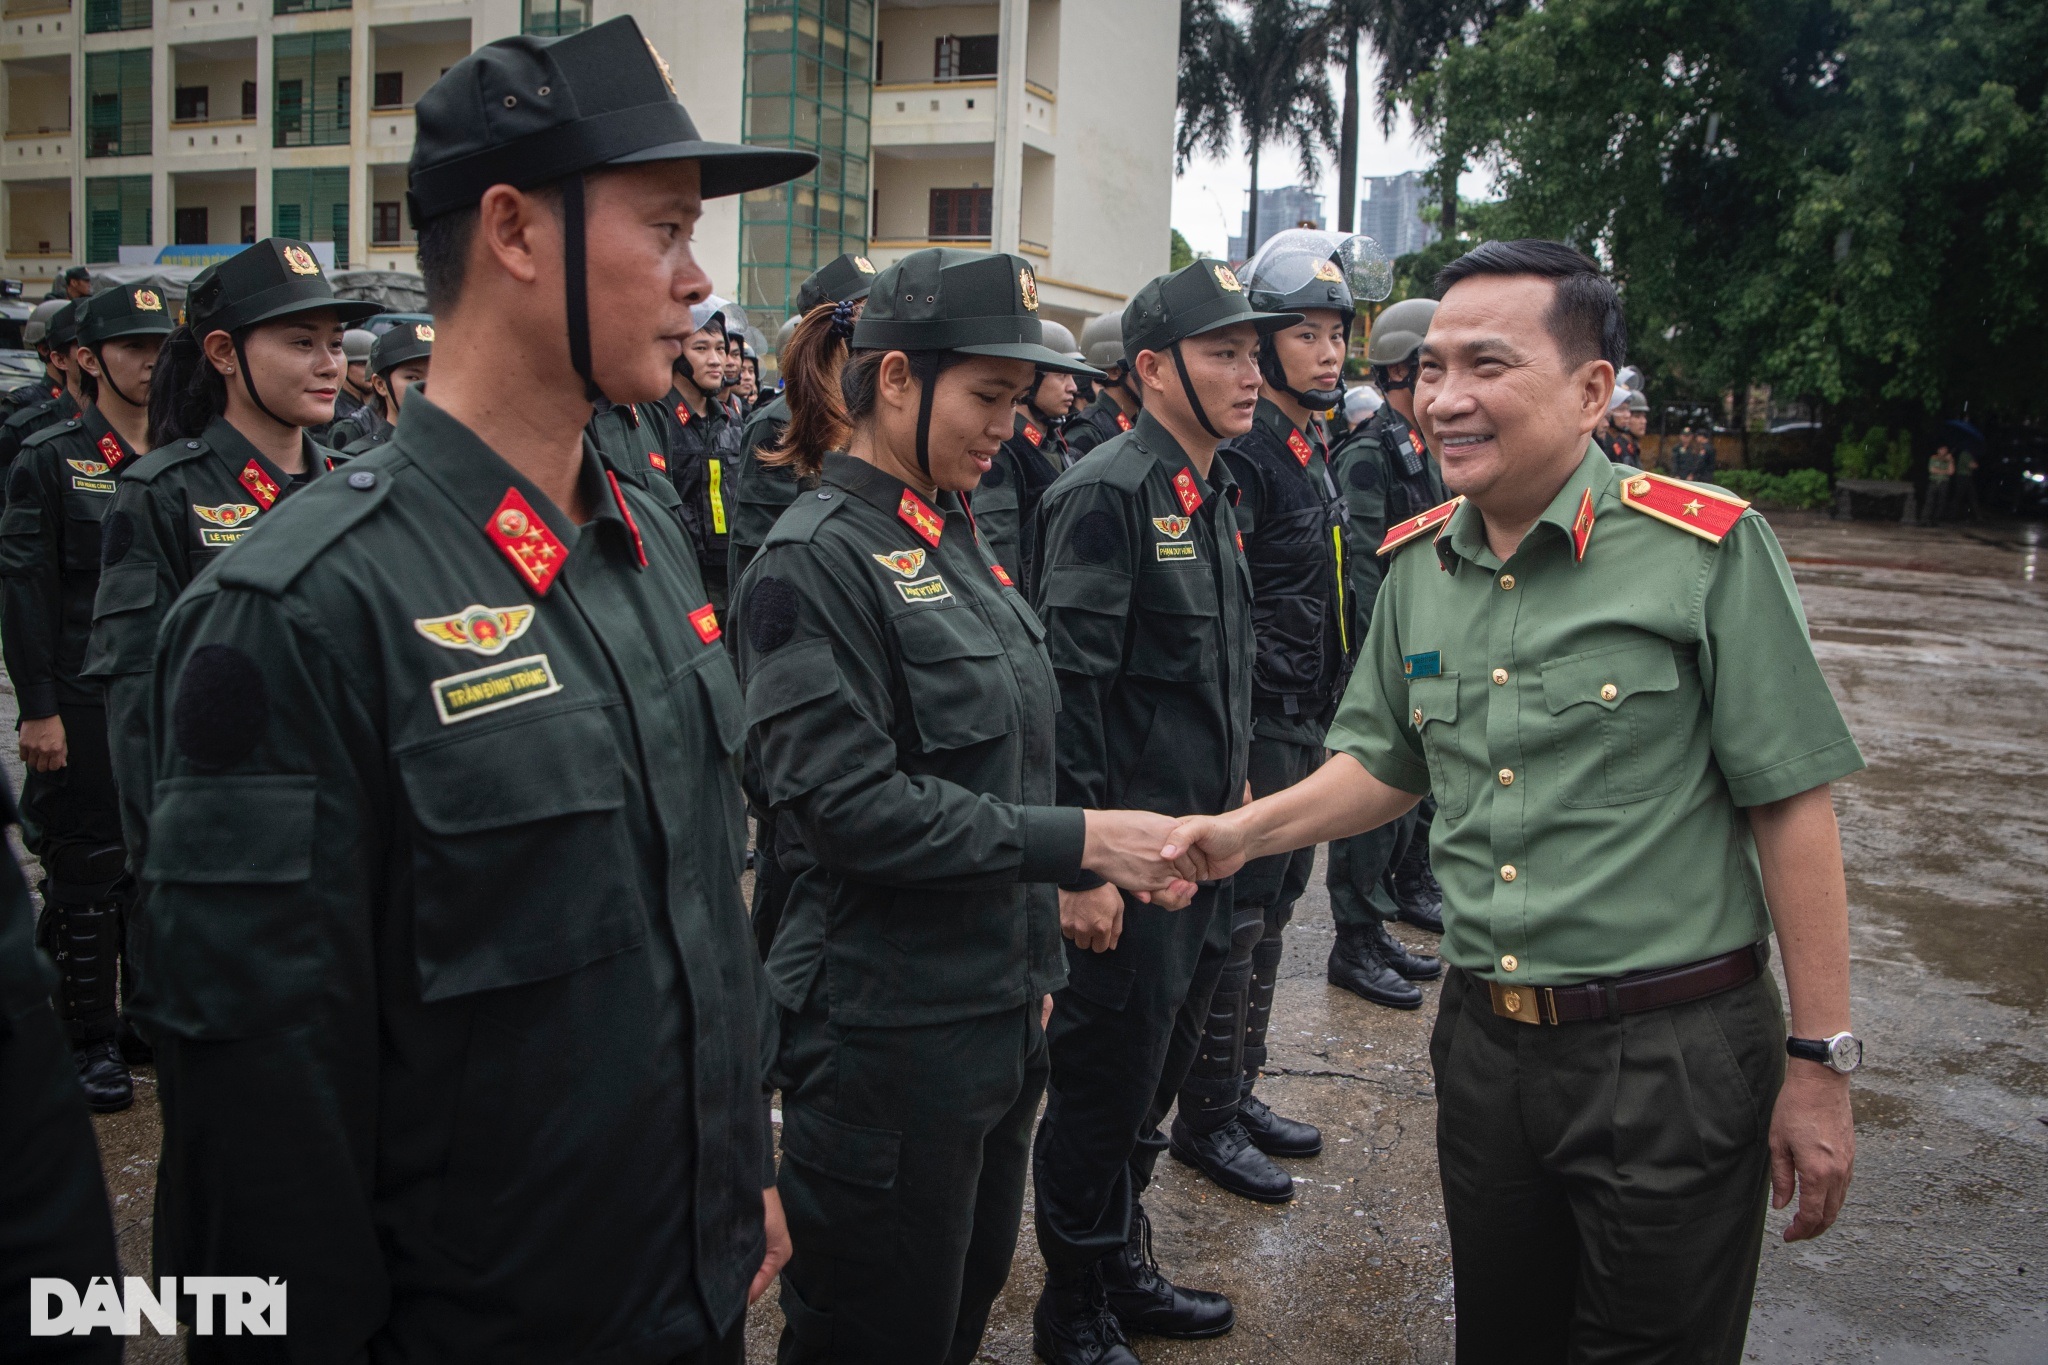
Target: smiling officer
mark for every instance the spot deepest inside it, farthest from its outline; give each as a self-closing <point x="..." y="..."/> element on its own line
<point x="454" y="994"/>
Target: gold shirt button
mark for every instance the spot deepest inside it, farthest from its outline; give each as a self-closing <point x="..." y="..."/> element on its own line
<point x="1500" y="675"/>
<point x="1609" y="692"/>
<point x="1507" y="582"/>
<point x="1508" y="964"/>
<point x="1507" y="872"/>
<point x="1507" y="777"/>
<point x="1417" y="715"/>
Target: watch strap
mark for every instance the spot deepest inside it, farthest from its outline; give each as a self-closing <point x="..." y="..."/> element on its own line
<point x="1810" y="1050"/>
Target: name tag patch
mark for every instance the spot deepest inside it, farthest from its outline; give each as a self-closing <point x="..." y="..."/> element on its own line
<point x="490" y="689"/>
<point x="85" y="485"/>
<point x="1428" y="665"/>
<point x="931" y="589"/>
<point x="1173" y="549"/>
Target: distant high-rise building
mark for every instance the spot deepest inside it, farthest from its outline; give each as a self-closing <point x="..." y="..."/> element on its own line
<point x="1390" y="213"/>
<point x="1287" y="207"/>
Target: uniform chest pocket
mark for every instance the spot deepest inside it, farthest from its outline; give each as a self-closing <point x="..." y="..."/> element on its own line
<point x="1178" y="636"/>
<point x="522" y="869"/>
<point x="959" y="683"/>
<point x="1433" y="710"/>
<point x="82" y="513"/>
<point x="1616" y="729"/>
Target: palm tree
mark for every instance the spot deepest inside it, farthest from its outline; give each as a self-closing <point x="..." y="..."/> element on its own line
<point x="1259" y="67"/>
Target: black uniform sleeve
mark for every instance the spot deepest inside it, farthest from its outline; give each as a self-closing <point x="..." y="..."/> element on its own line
<point x="31" y="586"/>
<point x="1084" y="599"/>
<point x="261" y="979"/>
<point x="817" y="665"/>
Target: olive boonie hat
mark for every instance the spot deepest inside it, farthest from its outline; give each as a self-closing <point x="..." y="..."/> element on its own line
<point x="128" y="311"/>
<point x="276" y="278"/>
<point x="526" y="111"/>
<point x="406" y="341"/>
<point x="945" y="299"/>
<point x="1199" y="297"/>
<point x="840" y="281"/>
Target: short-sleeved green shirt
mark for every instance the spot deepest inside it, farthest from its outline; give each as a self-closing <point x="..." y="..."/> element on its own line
<point x="1591" y="728"/>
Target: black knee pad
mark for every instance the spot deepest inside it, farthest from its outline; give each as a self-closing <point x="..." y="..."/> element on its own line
<point x="84" y="874"/>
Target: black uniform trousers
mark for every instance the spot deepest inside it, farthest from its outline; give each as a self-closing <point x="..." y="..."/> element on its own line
<point x="1358" y="869"/>
<point x="903" y="1159"/>
<point x="66" y="815"/>
<point x="1123" y="1033"/>
<point x="1605" y="1181"/>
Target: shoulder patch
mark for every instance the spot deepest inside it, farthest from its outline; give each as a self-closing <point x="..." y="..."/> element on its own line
<point x="1708" y="512"/>
<point x="1401" y="533"/>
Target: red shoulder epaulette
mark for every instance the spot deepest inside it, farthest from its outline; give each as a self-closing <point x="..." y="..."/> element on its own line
<point x="1708" y="512"/>
<point x="1401" y="533"/>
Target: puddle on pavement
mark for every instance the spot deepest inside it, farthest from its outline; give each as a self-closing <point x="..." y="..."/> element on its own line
<point x="1875" y="1109"/>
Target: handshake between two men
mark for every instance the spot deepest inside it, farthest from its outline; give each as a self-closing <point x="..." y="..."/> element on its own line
<point x="1161" y="859"/>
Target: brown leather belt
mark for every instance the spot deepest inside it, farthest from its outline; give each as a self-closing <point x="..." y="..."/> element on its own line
<point x="1615" y="996"/>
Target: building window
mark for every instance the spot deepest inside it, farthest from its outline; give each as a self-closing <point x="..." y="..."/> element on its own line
<point x="248" y="222"/>
<point x="117" y="105"/>
<point x="248" y="99"/>
<point x="388" y="90"/>
<point x="189" y="226"/>
<point x="807" y="86"/>
<point x="189" y="104"/>
<point x="114" y="16"/>
<point x="552" y="18"/>
<point x="311" y="108"/>
<point x="384" y="223"/>
<point x="970" y="58"/>
<point x="307" y="6"/>
<point x="962" y="215"/>
<point x="312" y="205"/>
<point x="116" y="215"/>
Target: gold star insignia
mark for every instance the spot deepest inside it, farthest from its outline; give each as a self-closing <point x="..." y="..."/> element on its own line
<point x="1694" y="508"/>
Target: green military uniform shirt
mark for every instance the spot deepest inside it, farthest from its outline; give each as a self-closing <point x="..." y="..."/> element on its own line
<point x="451" y="984"/>
<point x="1147" y="605"/>
<point x="902" y="709"/>
<point x="58" y="490"/>
<point x="760" y="492"/>
<point x="1591" y="728"/>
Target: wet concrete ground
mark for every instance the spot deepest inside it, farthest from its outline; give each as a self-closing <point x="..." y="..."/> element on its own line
<point x="1937" y="645"/>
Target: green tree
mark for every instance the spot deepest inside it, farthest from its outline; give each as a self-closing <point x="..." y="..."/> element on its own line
<point x="1180" y="253"/>
<point x="1258" y="69"/>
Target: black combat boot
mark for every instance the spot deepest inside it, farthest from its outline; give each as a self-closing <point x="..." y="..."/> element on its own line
<point x="1418" y="899"/>
<point x="85" y="943"/>
<point x="1144" y="1300"/>
<point x="1271" y="1134"/>
<point x="1228" y="1157"/>
<point x="1401" y="960"/>
<point x="1072" y="1324"/>
<point x="1359" y="966"/>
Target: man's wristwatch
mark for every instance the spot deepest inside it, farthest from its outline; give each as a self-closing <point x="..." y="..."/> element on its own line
<point x="1842" y="1053"/>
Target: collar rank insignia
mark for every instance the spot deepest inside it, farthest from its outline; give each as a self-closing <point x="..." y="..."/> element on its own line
<point x="905" y="562"/>
<point x="1582" y="526"/>
<point x="922" y="519"/>
<point x="92" y="469"/>
<point x="478" y="629"/>
<point x="526" y="540"/>
<point x="225" y="515"/>
<point x="626" y="515"/>
<point x="1184" y="487"/>
<point x="658" y="460"/>
<point x="1172" y="527"/>
<point x="1400" y="533"/>
<point x="1708" y="512"/>
<point x="112" y="450"/>
<point x="704" y="621"/>
<point x="1298" y="443"/>
<point x="683" y="413"/>
<point x="1033" y="435"/>
<point x="1123" y="423"/>
<point x="1002" y="575"/>
<point x="260" y="485"/>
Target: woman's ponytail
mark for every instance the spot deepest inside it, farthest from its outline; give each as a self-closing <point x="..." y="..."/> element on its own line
<point x="186" y="393"/>
<point x="818" y="421"/>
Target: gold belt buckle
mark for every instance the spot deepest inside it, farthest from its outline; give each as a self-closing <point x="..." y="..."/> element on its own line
<point x="1520" y="1003"/>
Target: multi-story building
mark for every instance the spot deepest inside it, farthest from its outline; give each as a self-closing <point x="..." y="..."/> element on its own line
<point x="1290" y="206"/>
<point x="161" y="122"/>
<point x="1390" y="212"/>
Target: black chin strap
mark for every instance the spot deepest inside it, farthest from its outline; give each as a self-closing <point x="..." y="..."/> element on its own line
<point x="925" y="365"/>
<point x="107" y="377"/>
<point x="1188" y="387"/>
<point x="1386" y="385"/>
<point x="249" y="382"/>
<point x="576" y="284"/>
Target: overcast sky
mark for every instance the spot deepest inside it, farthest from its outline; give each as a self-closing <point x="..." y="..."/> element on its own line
<point x="1210" y="199"/>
